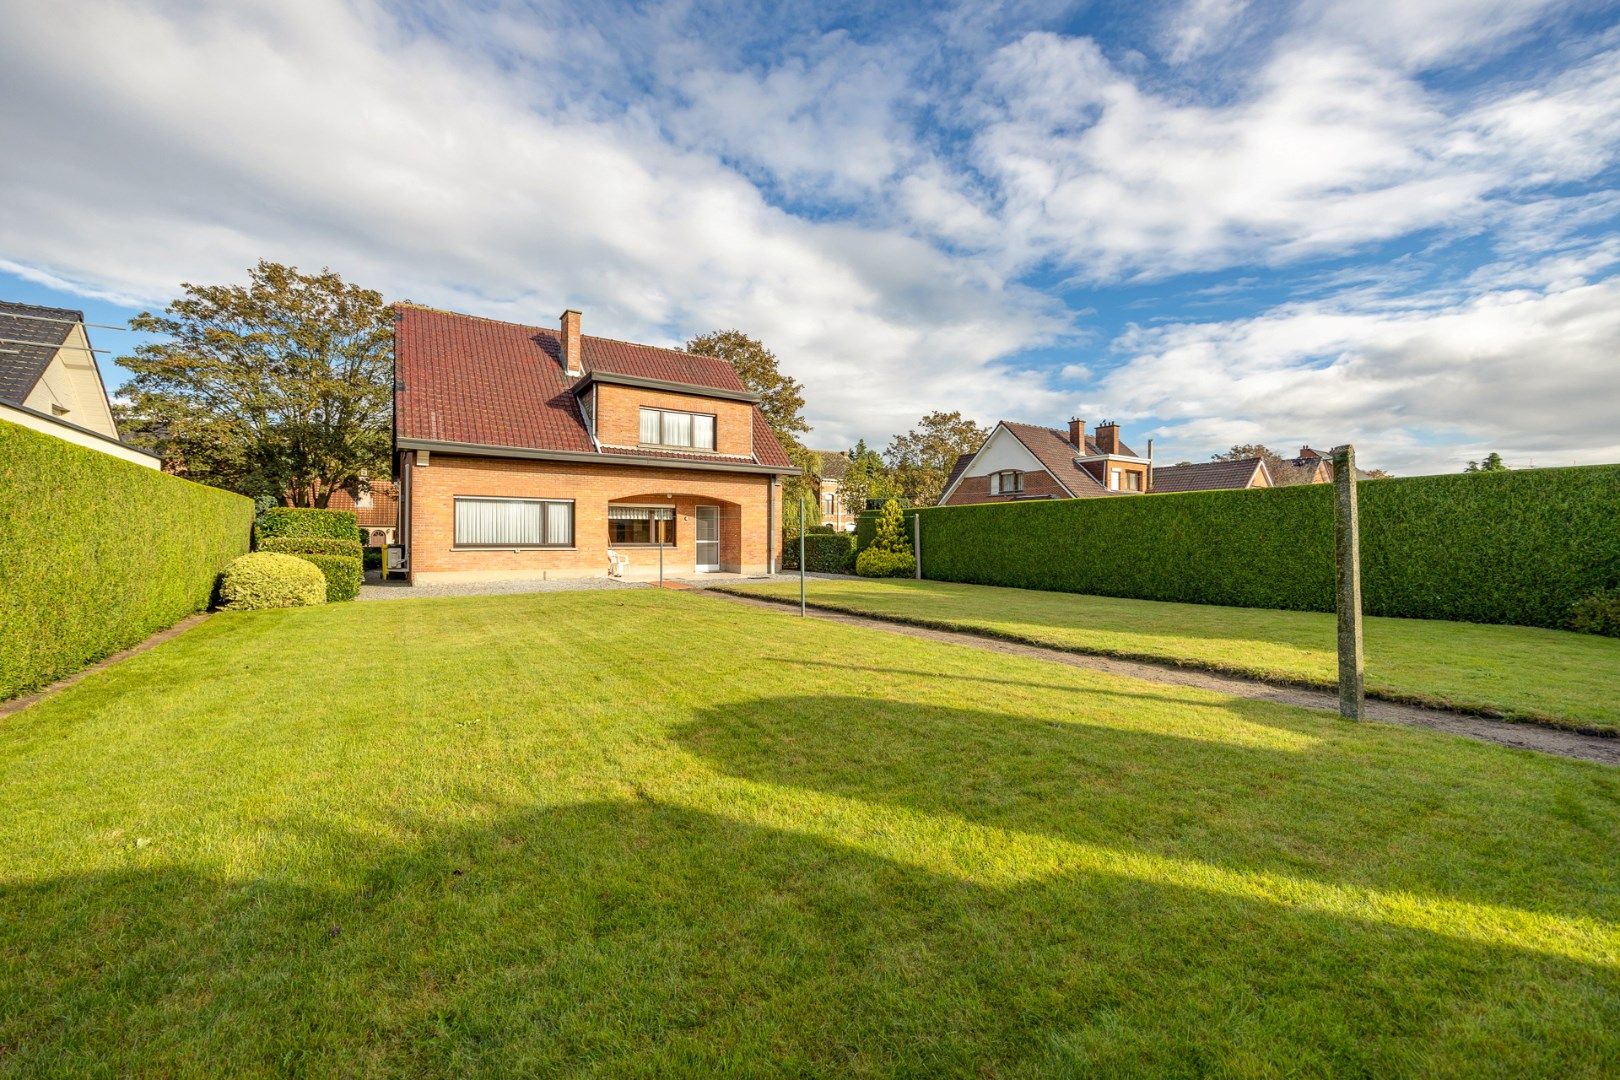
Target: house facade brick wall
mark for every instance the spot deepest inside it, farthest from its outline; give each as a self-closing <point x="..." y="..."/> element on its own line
<point x="976" y="489"/>
<point x="749" y="505"/>
<point x="618" y="416"/>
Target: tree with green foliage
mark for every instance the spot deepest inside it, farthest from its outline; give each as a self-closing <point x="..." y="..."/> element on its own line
<point x="866" y="478"/>
<point x="280" y="387"/>
<point x="920" y="460"/>
<point x="1492" y="463"/>
<point x="781" y="397"/>
<point x="889" y="554"/>
<point x="782" y="403"/>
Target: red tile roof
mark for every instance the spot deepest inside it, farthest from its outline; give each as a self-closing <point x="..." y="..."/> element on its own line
<point x="466" y="379"/>
<point x="1056" y="454"/>
<point x="1206" y="475"/>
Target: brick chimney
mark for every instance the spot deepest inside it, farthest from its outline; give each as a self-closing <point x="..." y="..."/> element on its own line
<point x="1306" y="453"/>
<point x="570" y="343"/>
<point x="1077" y="433"/>
<point x="1108" y="437"/>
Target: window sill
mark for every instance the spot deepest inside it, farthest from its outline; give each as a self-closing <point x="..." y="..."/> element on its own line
<point x="679" y="449"/>
<point x="646" y="547"/>
<point x="510" y="547"/>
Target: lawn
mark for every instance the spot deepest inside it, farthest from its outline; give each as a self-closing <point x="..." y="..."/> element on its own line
<point x="642" y="833"/>
<point x="1551" y="676"/>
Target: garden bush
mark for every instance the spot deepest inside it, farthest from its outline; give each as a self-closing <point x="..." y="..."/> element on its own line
<point x="300" y="521"/>
<point x="343" y="575"/>
<point x="98" y="554"/>
<point x="875" y="562"/>
<point x="311" y="545"/>
<point x="1597" y="614"/>
<point x="824" y="553"/>
<point x="889" y="554"/>
<point x="1508" y="547"/>
<point x="269" y="579"/>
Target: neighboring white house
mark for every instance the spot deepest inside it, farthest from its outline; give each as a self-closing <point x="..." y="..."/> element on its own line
<point x="49" y="380"/>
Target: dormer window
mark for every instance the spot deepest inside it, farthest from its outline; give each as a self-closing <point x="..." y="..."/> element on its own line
<point x="1007" y="482"/>
<point x="664" y="427"/>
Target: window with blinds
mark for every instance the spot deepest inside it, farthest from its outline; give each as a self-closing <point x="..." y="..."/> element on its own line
<point x="1007" y="482"/>
<point x="641" y="525"/>
<point x="663" y="427"/>
<point x="514" y="523"/>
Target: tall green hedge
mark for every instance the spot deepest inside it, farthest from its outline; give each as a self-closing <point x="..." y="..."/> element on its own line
<point x="300" y="521"/>
<point x="97" y="554"/>
<point x="1510" y="547"/>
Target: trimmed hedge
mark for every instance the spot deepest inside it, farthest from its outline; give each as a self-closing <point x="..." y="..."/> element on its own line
<point x="300" y="521"/>
<point x="98" y="554"/>
<point x="312" y="545"/>
<point x="343" y="575"/>
<point x="824" y="553"/>
<point x="1509" y="547"/>
<point x="269" y="579"/>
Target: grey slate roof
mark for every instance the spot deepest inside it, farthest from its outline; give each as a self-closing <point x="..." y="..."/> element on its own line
<point x="1206" y="475"/>
<point x="22" y="365"/>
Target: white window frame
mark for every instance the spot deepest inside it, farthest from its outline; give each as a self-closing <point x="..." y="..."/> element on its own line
<point x="459" y="544"/>
<point x="1000" y="486"/>
<point x="1113" y="479"/>
<point x="691" y="426"/>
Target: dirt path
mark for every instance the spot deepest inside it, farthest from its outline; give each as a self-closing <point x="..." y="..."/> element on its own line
<point x="1521" y="736"/>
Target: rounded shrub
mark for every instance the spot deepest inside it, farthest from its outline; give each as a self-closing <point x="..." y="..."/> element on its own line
<point x="270" y="579"/>
<point x="876" y="562"/>
<point x="343" y="575"/>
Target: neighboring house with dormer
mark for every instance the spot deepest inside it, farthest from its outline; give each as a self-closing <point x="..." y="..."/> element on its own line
<point x="830" y="490"/>
<point x="1213" y="476"/>
<point x="1026" y="461"/>
<point x="1309" y="467"/>
<point x="534" y="452"/>
<point x="50" y="382"/>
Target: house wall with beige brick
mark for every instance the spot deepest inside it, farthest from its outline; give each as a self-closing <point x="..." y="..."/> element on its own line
<point x="749" y="503"/>
<point x="618" y="416"/>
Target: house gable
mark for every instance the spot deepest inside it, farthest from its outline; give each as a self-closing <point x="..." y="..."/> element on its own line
<point x="1003" y="451"/>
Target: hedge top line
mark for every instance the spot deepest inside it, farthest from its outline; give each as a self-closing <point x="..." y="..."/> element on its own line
<point x="1506" y="476"/>
<point x="302" y="521"/>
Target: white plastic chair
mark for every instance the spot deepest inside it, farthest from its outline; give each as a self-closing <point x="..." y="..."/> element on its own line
<point x="616" y="563"/>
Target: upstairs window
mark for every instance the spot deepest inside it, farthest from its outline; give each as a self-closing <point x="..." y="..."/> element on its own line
<point x="1007" y="482"/>
<point x="1133" y="480"/>
<point x="664" y="427"/>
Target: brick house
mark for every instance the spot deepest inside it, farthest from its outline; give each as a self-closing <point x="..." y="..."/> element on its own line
<point x="375" y="506"/>
<point x="1310" y="467"/>
<point x="829" y="490"/>
<point x="1025" y="461"/>
<point x="531" y="452"/>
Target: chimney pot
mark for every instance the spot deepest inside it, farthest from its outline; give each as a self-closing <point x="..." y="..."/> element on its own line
<point x="1077" y="433"/>
<point x="571" y="361"/>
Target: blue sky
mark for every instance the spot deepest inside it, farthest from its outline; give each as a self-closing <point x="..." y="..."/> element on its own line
<point x="1390" y="222"/>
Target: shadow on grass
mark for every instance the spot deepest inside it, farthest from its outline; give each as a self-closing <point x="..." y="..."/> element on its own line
<point x="641" y="938"/>
<point x="1238" y="784"/>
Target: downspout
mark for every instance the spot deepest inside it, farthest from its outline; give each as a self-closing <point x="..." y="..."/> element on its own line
<point x="770" y="526"/>
<point x="1149" y="488"/>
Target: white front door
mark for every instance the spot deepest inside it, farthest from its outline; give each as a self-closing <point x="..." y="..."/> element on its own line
<point x="708" y="538"/>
